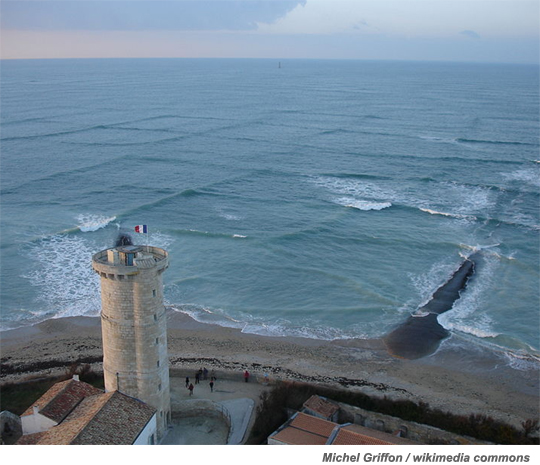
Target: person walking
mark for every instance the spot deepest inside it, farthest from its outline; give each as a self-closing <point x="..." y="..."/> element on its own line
<point x="190" y="389"/>
<point x="187" y="382"/>
<point x="212" y="386"/>
<point x="197" y="378"/>
<point x="246" y="376"/>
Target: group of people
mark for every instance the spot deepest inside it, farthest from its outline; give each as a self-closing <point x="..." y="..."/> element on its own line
<point x="202" y="373"/>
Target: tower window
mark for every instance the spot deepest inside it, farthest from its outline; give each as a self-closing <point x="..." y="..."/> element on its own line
<point x="158" y="363"/>
<point x="155" y="317"/>
<point x="157" y="340"/>
<point x="154" y="293"/>
<point x="159" y="387"/>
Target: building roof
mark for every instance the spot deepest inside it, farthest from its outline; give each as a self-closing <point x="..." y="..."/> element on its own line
<point x="353" y="432"/>
<point x="346" y="437"/>
<point x="321" y="406"/>
<point x="305" y="429"/>
<point x="58" y="402"/>
<point x="103" y="418"/>
<point x="119" y="420"/>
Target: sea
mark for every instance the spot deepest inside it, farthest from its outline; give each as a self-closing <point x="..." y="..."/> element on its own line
<point x="323" y="199"/>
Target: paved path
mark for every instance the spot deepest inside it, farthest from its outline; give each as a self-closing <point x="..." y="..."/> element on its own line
<point x="231" y="393"/>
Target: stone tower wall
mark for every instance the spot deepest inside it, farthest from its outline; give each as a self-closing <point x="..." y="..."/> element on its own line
<point x="134" y="329"/>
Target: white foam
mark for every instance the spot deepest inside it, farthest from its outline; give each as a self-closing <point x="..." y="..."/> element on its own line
<point x="365" y="205"/>
<point x="469" y="200"/>
<point x="466" y="315"/>
<point x="449" y="199"/>
<point x="354" y="187"/>
<point x="482" y="332"/>
<point x="522" y="361"/>
<point x="359" y="194"/>
<point x="63" y="274"/>
<point x="452" y="215"/>
<point x="527" y="175"/>
<point x="159" y="239"/>
<point x="89" y="222"/>
<point x="239" y="236"/>
<point x="427" y="283"/>
<point x="224" y="213"/>
<point x="278" y="328"/>
<point x="206" y="315"/>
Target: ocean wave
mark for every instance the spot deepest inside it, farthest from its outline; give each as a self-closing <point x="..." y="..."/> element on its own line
<point x="452" y="215"/>
<point x="335" y="131"/>
<point x="452" y="199"/>
<point x="428" y="282"/>
<point x="278" y="328"/>
<point x="467" y="141"/>
<point x="480" y="332"/>
<point x="57" y="133"/>
<point x="353" y="176"/>
<point x="354" y="187"/>
<point x="522" y="361"/>
<point x="466" y="314"/>
<point x="206" y="315"/>
<point x="494" y="142"/>
<point x="364" y="205"/>
<point x="90" y="223"/>
<point x="197" y="232"/>
<point x="143" y="207"/>
<point x="63" y="276"/>
<point x="529" y="176"/>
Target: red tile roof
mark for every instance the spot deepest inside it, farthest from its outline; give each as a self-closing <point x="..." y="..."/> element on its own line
<point x="313" y="424"/>
<point x="362" y="432"/>
<point x="350" y="438"/>
<point x="322" y="406"/>
<point x="299" y="437"/>
<point x="61" y="399"/>
<point x="305" y="430"/>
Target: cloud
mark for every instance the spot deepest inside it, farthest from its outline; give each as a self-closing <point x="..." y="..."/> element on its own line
<point x="470" y="34"/>
<point x="359" y="25"/>
<point x="127" y="15"/>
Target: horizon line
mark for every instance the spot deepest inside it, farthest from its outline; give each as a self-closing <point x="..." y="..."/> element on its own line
<point x="527" y="63"/>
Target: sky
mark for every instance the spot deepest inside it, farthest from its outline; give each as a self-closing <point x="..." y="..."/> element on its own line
<point x="440" y="30"/>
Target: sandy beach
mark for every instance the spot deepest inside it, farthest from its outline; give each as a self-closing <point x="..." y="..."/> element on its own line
<point x="455" y="378"/>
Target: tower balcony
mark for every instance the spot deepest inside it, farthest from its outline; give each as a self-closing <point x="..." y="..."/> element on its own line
<point x="127" y="261"/>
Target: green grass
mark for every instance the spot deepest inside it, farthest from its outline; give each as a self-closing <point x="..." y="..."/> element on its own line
<point x="17" y="397"/>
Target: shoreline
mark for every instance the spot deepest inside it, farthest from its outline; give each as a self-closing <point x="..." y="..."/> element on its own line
<point x="461" y="378"/>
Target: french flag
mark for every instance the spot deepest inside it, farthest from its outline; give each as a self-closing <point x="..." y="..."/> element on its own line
<point x="141" y="228"/>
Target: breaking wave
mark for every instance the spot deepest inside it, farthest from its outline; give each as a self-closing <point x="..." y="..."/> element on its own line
<point x="90" y="223"/>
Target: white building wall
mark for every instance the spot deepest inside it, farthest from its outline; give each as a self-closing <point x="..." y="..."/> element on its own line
<point x="36" y="423"/>
<point x="149" y="430"/>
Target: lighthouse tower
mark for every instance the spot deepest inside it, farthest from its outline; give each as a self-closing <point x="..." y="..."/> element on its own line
<point x="134" y="327"/>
